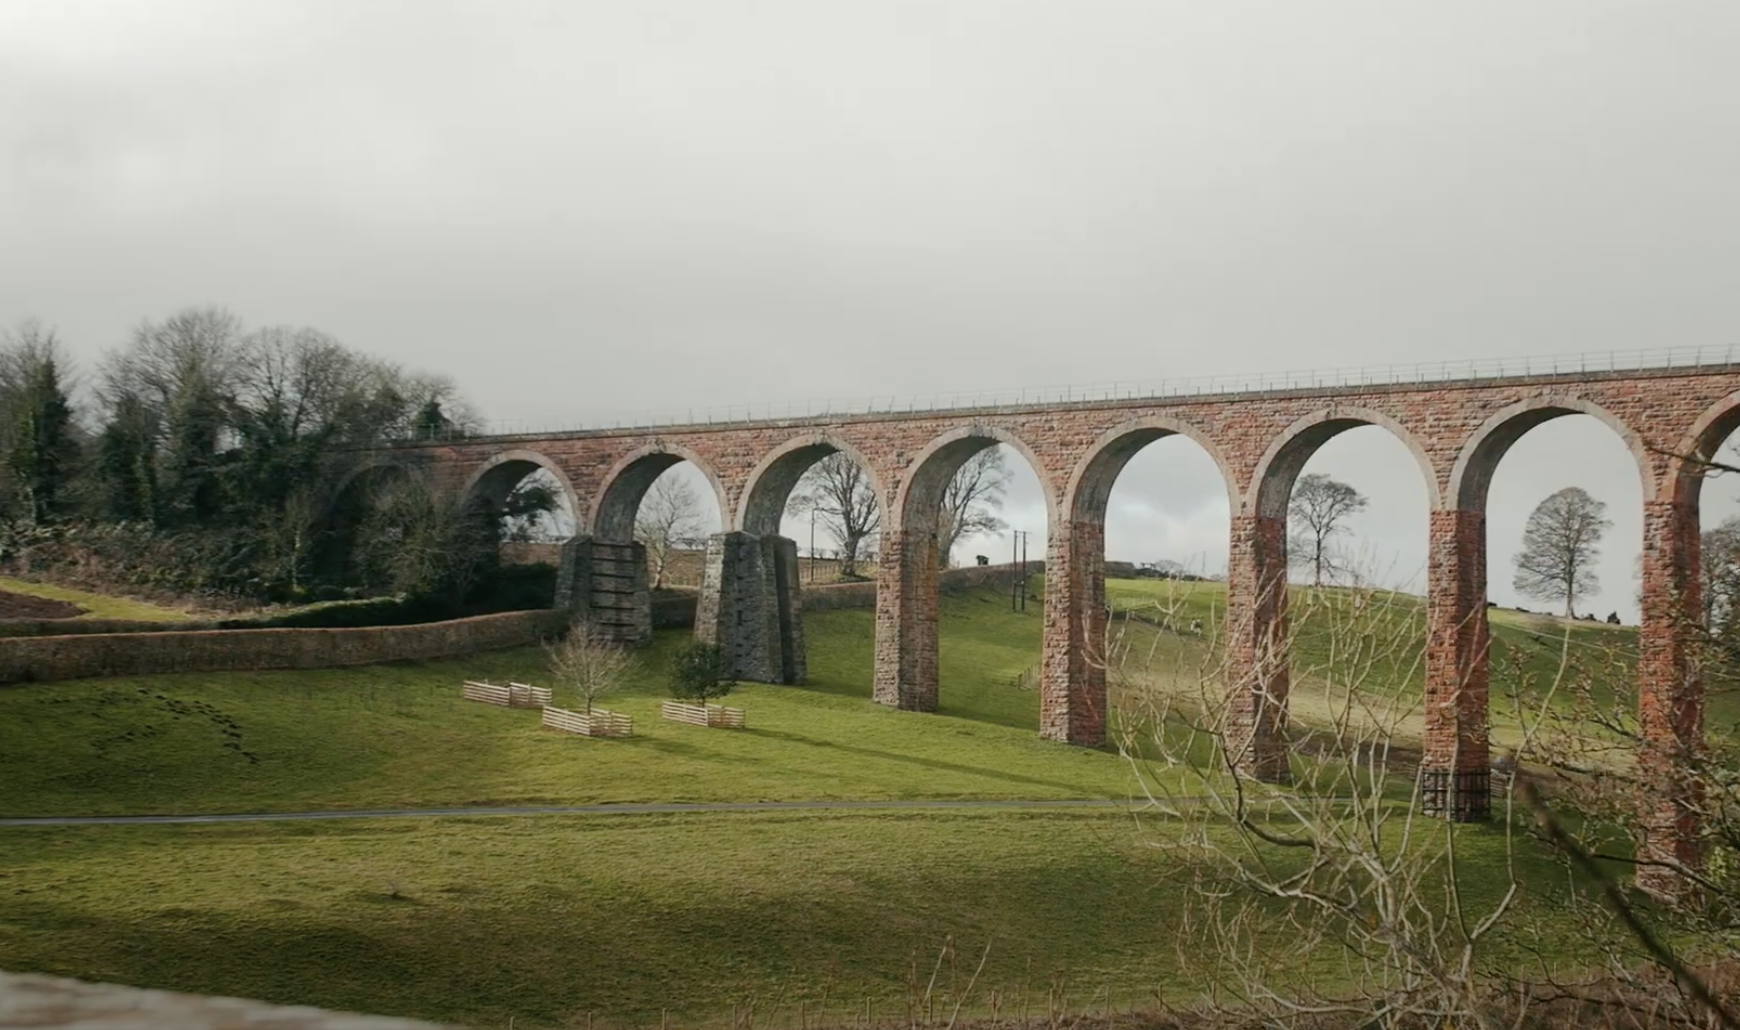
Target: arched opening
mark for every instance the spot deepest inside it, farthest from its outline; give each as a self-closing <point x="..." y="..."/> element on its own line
<point x="821" y="494"/>
<point x="618" y="516"/>
<point x="971" y="495"/>
<point x="1708" y="484"/>
<point x="1548" y="495"/>
<point x="657" y="514"/>
<point x="1261" y="637"/>
<point x="1513" y="473"/>
<point x="811" y="518"/>
<point x="1150" y="513"/>
<point x="1358" y="532"/>
<point x="669" y="505"/>
<point x="528" y="496"/>
<point x="531" y="510"/>
<point x="335" y="557"/>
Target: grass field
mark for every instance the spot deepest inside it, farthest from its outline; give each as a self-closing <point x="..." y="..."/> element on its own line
<point x="97" y="606"/>
<point x="400" y="736"/>
<point x="549" y="921"/>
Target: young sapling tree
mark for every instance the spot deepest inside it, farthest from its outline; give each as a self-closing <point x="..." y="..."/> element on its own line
<point x="588" y="662"/>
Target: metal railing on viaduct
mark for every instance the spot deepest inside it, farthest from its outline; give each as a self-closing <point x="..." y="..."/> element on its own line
<point x="1672" y="410"/>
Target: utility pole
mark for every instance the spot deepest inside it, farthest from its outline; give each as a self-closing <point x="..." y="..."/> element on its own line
<point x="812" y="545"/>
<point x="1018" y="569"/>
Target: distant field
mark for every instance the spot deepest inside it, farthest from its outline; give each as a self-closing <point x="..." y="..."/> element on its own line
<point x="1531" y="652"/>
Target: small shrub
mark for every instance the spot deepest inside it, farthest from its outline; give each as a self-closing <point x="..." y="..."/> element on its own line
<point x="699" y="673"/>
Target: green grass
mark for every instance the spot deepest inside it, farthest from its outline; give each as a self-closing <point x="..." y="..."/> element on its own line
<point x="1530" y="651"/>
<point x="551" y="920"/>
<point x="545" y="920"/>
<point x="400" y="736"/>
<point x="97" y="606"/>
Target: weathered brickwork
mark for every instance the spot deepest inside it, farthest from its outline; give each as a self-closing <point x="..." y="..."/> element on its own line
<point x="747" y="606"/>
<point x="1072" y="686"/>
<point x="1456" y="764"/>
<point x="606" y="584"/>
<point x="1457" y="432"/>
<point x="906" y="606"/>
<point x="1670" y="695"/>
<point x="1256" y="670"/>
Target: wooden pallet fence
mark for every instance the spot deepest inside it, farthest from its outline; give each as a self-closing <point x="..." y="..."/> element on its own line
<point x="596" y="723"/>
<point x="510" y="695"/>
<point x="703" y="715"/>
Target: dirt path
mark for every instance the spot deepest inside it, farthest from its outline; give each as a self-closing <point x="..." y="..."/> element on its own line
<point x="624" y="809"/>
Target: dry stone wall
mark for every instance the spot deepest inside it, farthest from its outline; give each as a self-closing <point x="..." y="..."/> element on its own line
<point x="42" y="659"/>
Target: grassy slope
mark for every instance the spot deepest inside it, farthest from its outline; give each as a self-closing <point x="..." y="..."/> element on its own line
<point x="400" y="736"/>
<point x="97" y="606"/>
<point x="1527" y="651"/>
<point x="547" y="919"/>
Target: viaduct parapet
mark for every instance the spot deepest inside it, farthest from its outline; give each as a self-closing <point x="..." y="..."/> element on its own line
<point x="1670" y="419"/>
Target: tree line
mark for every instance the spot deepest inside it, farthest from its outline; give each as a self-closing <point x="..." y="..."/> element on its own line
<point x="201" y="456"/>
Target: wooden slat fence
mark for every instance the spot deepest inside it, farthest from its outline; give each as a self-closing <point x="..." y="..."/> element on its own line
<point x="510" y="695"/>
<point x="703" y="715"/>
<point x="597" y="723"/>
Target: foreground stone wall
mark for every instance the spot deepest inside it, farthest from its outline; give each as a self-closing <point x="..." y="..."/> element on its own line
<point x="40" y="659"/>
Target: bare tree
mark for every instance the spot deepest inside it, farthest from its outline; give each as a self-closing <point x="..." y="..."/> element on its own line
<point x="185" y="371"/>
<point x="971" y="501"/>
<point x="838" y="492"/>
<point x="1561" y="542"/>
<point x="1434" y="920"/>
<point x="668" y="520"/>
<point x="1316" y="515"/>
<point x="588" y="662"/>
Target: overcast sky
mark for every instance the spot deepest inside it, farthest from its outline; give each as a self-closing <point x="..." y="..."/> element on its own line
<point x="581" y="208"/>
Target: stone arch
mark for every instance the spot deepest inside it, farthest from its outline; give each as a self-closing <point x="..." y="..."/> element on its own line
<point x="369" y="472"/>
<point x="344" y="507"/>
<point x="919" y="497"/>
<point x="626" y="484"/>
<point x="1090" y="485"/>
<point x="1684" y="479"/>
<point x="489" y="486"/>
<point x="1272" y="485"/>
<point x="1471" y="477"/>
<point x="771" y="483"/>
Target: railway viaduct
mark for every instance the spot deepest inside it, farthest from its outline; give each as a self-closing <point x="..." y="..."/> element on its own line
<point x="1670" y="418"/>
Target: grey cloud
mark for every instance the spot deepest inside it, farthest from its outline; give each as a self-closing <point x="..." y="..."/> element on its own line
<point x="578" y="208"/>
